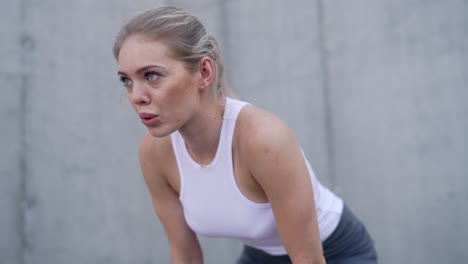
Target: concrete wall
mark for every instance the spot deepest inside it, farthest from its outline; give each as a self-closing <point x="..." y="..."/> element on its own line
<point x="375" y="92"/>
<point x="397" y="73"/>
<point x="11" y="159"/>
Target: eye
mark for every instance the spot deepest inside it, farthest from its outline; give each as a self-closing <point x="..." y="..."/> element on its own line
<point x="125" y="81"/>
<point x="152" y="76"/>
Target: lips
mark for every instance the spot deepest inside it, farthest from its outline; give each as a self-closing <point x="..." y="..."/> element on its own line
<point x="149" y="119"/>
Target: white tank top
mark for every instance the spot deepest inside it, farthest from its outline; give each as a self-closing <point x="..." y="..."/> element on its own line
<point x="214" y="206"/>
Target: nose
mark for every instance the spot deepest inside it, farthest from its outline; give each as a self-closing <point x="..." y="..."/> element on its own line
<point x="139" y="94"/>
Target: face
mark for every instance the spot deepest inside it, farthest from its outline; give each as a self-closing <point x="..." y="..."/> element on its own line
<point x="159" y="87"/>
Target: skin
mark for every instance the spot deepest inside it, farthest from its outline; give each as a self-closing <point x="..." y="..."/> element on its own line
<point x="268" y="163"/>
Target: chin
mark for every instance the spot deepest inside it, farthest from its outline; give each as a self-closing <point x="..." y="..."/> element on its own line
<point x="158" y="132"/>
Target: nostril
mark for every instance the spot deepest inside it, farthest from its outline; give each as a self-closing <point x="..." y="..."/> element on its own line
<point x="141" y="99"/>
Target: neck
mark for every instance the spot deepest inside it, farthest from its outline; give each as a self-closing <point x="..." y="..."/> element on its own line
<point x="201" y="134"/>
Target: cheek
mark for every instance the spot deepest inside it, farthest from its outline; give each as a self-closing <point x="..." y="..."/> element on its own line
<point x="177" y="103"/>
<point x="180" y="94"/>
<point x="130" y="100"/>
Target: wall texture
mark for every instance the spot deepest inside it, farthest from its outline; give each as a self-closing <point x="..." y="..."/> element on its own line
<point x="12" y="139"/>
<point x="397" y="84"/>
<point x="374" y="90"/>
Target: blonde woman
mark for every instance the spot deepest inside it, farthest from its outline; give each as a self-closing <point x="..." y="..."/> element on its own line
<point x="217" y="166"/>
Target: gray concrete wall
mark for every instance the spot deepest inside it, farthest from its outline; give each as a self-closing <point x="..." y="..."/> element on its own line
<point x="397" y="84"/>
<point x="375" y="92"/>
<point x="11" y="141"/>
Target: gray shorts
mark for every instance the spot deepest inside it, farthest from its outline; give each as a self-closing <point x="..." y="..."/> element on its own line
<point x="350" y="243"/>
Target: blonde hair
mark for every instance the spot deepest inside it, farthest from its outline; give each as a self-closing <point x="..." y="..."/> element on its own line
<point x="185" y="36"/>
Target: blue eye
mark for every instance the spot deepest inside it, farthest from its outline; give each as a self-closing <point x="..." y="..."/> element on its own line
<point x="152" y="76"/>
<point x="125" y="81"/>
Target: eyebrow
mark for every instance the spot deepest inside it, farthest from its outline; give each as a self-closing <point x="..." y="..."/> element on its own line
<point x="142" y="69"/>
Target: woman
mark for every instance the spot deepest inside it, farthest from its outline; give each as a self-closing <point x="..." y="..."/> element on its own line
<point x="220" y="167"/>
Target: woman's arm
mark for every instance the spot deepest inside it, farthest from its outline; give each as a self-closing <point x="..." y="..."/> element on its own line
<point x="154" y="161"/>
<point x="277" y="164"/>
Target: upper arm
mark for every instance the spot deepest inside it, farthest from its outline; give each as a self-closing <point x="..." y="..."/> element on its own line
<point x="154" y="165"/>
<point x="278" y="165"/>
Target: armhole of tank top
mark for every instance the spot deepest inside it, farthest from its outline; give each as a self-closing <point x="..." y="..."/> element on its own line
<point x="175" y="144"/>
<point x="231" y="164"/>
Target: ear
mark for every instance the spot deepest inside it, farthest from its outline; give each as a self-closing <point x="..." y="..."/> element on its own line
<point x="207" y="72"/>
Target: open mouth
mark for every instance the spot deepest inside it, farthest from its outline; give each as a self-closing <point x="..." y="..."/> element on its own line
<point x="149" y="119"/>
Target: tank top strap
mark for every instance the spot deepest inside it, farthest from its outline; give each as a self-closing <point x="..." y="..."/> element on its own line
<point x="233" y="108"/>
<point x="231" y="112"/>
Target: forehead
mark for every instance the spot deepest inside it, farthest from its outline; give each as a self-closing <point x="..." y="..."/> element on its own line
<point x="139" y="51"/>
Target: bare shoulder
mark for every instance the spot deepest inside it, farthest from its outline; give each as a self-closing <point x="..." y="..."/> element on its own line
<point x="263" y="142"/>
<point x="260" y="130"/>
<point x="153" y="148"/>
<point x="155" y="158"/>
